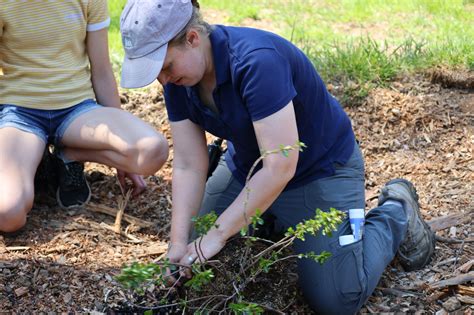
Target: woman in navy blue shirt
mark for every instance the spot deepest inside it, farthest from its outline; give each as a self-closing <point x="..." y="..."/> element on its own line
<point x="259" y="91"/>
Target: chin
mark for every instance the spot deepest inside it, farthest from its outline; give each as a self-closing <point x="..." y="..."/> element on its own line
<point x="189" y="83"/>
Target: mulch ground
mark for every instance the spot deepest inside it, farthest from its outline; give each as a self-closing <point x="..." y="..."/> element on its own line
<point x="421" y="128"/>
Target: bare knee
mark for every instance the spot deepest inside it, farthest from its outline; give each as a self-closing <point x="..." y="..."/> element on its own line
<point x="150" y="155"/>
<point x="13" y="214"/>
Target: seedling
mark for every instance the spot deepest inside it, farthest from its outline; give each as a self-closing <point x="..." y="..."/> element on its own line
<point x="139" y="277"/>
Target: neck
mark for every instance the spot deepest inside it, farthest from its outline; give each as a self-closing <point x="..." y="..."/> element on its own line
<point x="209" y="77"/>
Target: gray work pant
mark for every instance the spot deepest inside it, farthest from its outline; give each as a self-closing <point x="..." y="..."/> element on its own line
<point x="343" y="283"/>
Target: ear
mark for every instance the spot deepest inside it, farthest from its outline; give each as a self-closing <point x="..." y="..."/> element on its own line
<point x="193" y="38"/>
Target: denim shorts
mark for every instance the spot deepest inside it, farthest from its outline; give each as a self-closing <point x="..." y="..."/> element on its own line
<point x="48" y="125"/>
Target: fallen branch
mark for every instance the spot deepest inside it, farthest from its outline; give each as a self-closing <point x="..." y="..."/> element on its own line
<point x="397" y="292"/>
<point x="452" y="281"/>
<point x="113" y="212"/>
<point x="466" y="267"/>
<point x="446" y="262"/>
<point x="15" y="248"/>
<point x="453" y="240"/>
<point x="465" y="299"/>
<point x="378" y="308"/>
<point x="438" y="295"/>
<point x="155" y="250"/>
<point x="122" y="204"/>
<point x="459" y="289"/>
<point x="129" y="236"/>
<point x="6" y="264"/>
<point x="462" y="289"/>
<point x="447" y="221"/>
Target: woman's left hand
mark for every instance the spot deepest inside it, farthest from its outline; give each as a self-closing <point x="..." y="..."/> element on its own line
<point x="138" y="182"/>
<point x="207" y="246"/>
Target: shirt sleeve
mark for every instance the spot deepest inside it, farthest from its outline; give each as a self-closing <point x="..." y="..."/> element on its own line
<point x="266" y="82"/>
<point x="176" y="101"/>
<point x="97" y="15"/>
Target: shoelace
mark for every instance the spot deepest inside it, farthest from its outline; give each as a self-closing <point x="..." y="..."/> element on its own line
<point x="74" y="175"/>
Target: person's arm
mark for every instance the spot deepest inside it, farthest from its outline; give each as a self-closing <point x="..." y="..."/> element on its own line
<point x="277" y="170"/>
<point x="265" y="185"/>
<point x="1" y="34"/>
<point x="103" y="80"/>
<point x="190" y="163"/>
<point x="106" y="92"/>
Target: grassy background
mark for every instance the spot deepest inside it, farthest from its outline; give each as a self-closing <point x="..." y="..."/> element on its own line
<point x="366" y="42"/>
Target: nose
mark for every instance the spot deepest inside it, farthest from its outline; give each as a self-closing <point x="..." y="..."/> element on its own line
<point x="163" y="78"/>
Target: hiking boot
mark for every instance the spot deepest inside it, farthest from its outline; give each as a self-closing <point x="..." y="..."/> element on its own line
<point x="46" y="177"/>
<point x="73" y="189"/>
<point x="418" y="246"/>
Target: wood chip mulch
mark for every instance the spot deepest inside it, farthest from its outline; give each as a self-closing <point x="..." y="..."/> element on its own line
<point x="420" y="127"/>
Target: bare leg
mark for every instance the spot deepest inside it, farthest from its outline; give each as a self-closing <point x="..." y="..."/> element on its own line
<point x="20" y="154"/>
<point x="115" y="138"/>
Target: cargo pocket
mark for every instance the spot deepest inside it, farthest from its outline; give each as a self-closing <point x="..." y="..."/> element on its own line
<point x="348" y="274"/>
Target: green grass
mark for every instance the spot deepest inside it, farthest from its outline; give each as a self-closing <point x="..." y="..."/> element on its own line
<point x="115" y="41"/>
<point x="363" y="41"/>
<point x="238" y="10"/>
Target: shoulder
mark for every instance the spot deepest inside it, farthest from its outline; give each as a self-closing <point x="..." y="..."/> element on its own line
<point x="250" y="47"/>
<point x="245" y="40"/>
<point x="97" y="14"/>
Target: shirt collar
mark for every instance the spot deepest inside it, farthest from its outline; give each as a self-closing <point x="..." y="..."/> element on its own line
<point x="220" y="53"/>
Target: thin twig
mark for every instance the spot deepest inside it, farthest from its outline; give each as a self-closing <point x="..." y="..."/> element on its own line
<point x="286" y="241"/>
<point x="122" y="204"/>
<point x="458" y="252"/>
<point x="174" y="304"/>
<point x="453" y="240"/>
<point x="129" y="236"/>
<point x="113" y="212"/>
<point x="15" y="248"/>
<point x="264" y="154"/>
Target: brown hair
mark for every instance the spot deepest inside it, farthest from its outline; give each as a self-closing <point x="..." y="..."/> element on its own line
<point x="195" y="4"/>
<point x="195" y="22"/>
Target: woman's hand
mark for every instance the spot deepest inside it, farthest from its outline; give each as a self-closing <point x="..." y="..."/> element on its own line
<point x="138" y="182"/>
<point x="175" y="254"/>
<point x="203" y="249"/>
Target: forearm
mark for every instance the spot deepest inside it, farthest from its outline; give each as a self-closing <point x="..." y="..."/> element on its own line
<point x="188" y="190"/>
<point x="264" y="187"/>
<point x="105" y="87"/>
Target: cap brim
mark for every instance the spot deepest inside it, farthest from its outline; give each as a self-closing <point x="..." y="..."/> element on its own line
<point x="142" y="71"/>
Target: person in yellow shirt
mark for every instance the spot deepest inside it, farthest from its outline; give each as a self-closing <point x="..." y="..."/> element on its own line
<point x="58" y="89"/>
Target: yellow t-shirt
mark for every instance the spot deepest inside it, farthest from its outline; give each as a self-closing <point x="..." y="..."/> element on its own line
<point x="43" y="51"/>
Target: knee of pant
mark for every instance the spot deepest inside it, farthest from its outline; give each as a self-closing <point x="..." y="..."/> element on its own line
<point x="328" y="300"/>
<point x="331" y="304"/>
<point x="13" y="216"/>
<point x="150" y="155"/>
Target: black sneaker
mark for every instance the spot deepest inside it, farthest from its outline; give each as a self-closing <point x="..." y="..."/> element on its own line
<point x="418" y="246"/>
<point x="46" y="177"/>
<point x="73" y="189"/>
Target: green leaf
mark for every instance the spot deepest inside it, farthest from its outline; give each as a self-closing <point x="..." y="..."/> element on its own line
<point x="202" y="224"/>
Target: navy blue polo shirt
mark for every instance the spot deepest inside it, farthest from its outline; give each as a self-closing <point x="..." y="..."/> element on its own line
<point x="257" y="74"/>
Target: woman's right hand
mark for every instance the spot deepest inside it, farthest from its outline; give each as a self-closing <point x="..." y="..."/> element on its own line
<point x="176" y="251"/>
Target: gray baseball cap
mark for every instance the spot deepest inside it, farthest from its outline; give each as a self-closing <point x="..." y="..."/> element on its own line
<point x="147" y="26"/>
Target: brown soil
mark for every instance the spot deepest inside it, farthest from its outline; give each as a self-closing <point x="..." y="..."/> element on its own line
<point x="420" y="128"/>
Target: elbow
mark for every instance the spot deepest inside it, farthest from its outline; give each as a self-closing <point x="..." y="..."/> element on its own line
<point x="289" y="172"/>
<point x="283" y="171"/>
